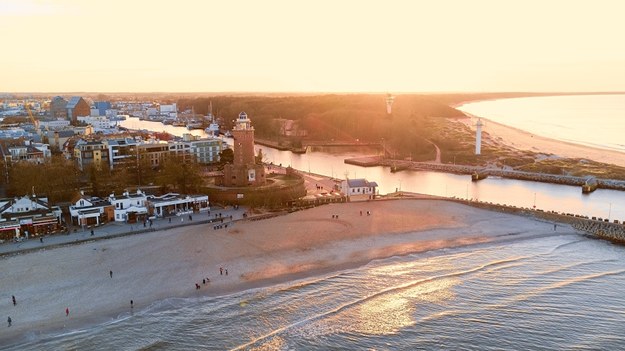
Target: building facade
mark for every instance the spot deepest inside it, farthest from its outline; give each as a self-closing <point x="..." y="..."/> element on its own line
<point x="359" y="189"/>
<point x="77" y="107"/>
<point x="87" y="153"/>
<point x="244" y="171"/>
<point x="58" y="108"/>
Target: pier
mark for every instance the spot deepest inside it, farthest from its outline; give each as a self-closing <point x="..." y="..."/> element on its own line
<point x="372" y="161"/>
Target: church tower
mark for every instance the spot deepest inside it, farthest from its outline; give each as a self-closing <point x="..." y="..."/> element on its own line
<point x="244" y="171"/>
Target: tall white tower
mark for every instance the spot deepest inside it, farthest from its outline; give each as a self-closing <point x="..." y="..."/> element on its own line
<point x="478" y="137"/>
<point x="389" y="102"/>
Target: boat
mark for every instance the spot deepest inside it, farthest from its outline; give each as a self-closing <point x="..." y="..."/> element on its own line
<point x="478" y="176"/>
<point x="397" y="168"/>
<point x="589" y="186"/>
<point x="178" y="124"/>
<point x="194" y="125"/>
<point x="212" y="129"/>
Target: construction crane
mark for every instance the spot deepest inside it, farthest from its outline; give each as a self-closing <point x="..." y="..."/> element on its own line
<point x="32" y="119"/>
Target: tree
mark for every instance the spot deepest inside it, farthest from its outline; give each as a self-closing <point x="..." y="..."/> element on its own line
<point x="180" y="174"/>
<point x="226" y="156"/>
<point x="57" y="178"/>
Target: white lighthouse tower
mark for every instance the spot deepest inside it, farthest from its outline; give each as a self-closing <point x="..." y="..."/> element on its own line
<point x="389" y="102"/>
<point x="478" y="137"/>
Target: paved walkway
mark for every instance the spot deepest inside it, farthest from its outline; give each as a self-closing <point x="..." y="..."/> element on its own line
<point x="115" y="229"/>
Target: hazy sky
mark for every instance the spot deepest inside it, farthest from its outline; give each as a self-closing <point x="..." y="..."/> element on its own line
<point x="339" y="46"/>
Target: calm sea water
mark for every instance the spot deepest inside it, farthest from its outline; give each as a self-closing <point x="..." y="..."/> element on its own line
<point x="595" y="120"/>
<point x="563" y="292"/>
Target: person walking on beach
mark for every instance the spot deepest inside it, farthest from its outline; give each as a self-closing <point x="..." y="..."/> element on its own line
<point x="132" y="304"/>
<point x="9" y="320"/>
<point x="221" y="271"/>
<point x="226" y="271"/>
<point x="14" y="302"/>
<point x="111" y="274"/>
<point x="66" y="311"/>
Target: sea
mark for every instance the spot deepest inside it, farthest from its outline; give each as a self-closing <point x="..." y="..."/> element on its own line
<point x="592" y="120"/>
<point x="556" y="293"/>
<point x="560" y="292"/>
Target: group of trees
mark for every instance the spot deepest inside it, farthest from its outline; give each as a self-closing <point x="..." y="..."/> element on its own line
<point x="59" y="179"/>
<point x="338" y="117"/>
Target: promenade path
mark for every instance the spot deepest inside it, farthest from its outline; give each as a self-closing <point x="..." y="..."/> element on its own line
<point x="116" y="229"/>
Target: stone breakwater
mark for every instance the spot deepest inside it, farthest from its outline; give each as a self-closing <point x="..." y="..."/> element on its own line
<point x="371" y="161"/>
<point x="597" y="227"/>
<point x="614" y="232"/>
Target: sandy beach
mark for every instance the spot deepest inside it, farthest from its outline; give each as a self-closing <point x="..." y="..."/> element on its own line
<point x="522" y="140"/>
<point x="150" y="267"/>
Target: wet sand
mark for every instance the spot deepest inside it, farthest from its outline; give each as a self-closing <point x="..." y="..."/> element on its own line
<point x="154" y="266"/>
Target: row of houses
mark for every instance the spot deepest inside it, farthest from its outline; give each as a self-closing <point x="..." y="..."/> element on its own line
<point x="28" y="216"/>
<point x="120" y="151"/>
<point x="133" y="207"/>
<point x="32" y="216"/>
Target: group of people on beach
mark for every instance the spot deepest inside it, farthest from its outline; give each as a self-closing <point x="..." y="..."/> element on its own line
<point x="14" y="301"/>
<point x="9" y="320"/>
<point x="222" y="271"/>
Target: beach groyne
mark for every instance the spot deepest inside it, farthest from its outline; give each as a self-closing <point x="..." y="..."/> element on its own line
<point x="614" y="232"/>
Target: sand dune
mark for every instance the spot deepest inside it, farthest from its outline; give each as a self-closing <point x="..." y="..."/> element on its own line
<point x="154" y="266"/>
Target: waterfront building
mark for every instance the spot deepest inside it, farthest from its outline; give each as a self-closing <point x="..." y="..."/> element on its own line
<point x="77" y="107"/>
<point x="99" y="123"/>
<point x="27" y="216"/>
<point x="204" y="150"/>
<point x="129" y="207"/>
<point x="245" y="169"/>
<point x="89" y="210"/>
<point x="173" y="204"/>
<point x="169" y="111"/>
<point x="359" y="189"/>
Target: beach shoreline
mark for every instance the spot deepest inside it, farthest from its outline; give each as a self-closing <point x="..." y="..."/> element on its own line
<point x="151" y="268"/>
<point x="523" y="140"/>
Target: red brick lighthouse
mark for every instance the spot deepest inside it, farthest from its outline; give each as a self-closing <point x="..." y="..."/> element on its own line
<point x="244" y="171"/>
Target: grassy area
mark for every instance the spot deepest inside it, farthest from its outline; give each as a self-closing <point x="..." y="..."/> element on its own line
<point x="576" y="167"/>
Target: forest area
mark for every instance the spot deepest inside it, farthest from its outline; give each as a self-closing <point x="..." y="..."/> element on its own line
<point x="407" y="130"/>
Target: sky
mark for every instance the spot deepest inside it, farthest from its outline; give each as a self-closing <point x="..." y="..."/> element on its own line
<point x="311" y="46"/>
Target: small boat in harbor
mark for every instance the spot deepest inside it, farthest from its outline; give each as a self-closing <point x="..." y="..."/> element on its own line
<point x="478" y="176"/>
<point x="194" y="125"/>
<point x="589" y="186"/>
